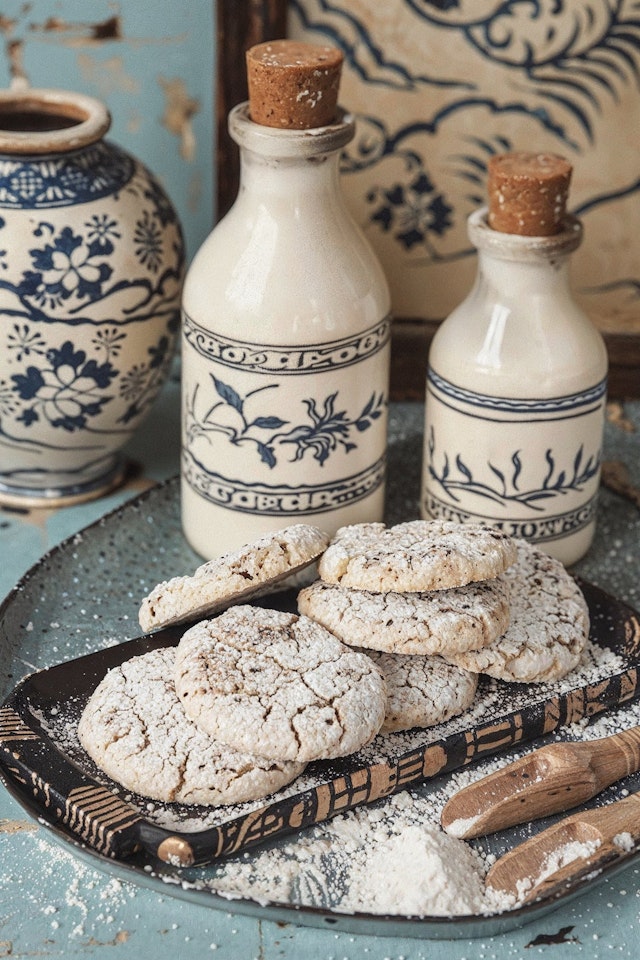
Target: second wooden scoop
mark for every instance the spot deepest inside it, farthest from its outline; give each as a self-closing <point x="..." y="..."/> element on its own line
<point x="574" y="847"/>
<point x="547" y="781"/>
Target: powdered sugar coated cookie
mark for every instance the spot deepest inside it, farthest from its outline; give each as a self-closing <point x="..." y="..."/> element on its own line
<point x="279" y="685"/>
<point x="234" y="577"/>
<point x="423" y="691"/>
<point x="457" y="619"/>
<point x="135" y="729"/>
<point x="549" y="624"/>
<point x="415" y="556"/>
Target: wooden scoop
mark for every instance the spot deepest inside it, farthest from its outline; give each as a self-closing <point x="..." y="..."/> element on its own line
<point x="546" y="781"/>
<point x="573" y="847"/>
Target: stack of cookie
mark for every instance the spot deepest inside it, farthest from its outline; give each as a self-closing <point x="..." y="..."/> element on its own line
<point x="441" y="602"/>
<point x="247" y="698"/>
<point x="391" y="636"/>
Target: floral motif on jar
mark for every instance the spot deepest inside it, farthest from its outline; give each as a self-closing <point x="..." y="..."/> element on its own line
<point x="91" y="269"/>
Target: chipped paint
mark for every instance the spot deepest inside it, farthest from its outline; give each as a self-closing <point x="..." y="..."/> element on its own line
<point x="179" y="110"/>
<point x="121" y="937"/>
<point x="77" y="34"/>
<point x="108" y="75"/>
<point x="15" y="50"/>
<point x="18" y="826"/>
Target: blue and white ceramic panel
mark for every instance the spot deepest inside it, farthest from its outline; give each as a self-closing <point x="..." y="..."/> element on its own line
<point x="441" y="85"/>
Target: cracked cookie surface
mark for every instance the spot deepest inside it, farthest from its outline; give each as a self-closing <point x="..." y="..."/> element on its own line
<point x="549" y="624"/>
<point x="233" y="578"/>
<point x="457" y="619"/>
<point x="415" y="556"/>
<point x="423" y="691"/>
<point x="279" y="685"/>
<point x="135" y="729"/>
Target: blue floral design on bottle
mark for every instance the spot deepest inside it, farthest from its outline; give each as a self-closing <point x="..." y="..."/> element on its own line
<point x="326" y="431"/>
<point x="455" y="475"/>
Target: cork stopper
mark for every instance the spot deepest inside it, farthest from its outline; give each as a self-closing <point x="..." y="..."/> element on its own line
<point x="528" y="193"/>
<point x="293" y="85"/>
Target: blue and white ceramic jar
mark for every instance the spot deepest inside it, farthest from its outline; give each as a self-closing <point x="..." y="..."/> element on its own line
<point x="91" y="269"/>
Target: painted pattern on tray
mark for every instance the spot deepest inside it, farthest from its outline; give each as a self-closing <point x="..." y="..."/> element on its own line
<point x="552" y="76"/>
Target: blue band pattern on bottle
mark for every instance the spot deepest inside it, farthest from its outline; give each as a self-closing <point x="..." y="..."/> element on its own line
<point x="284" y="430"/>
<point x="281" y="500"/>
<point x="539" y="530"/>
<point x="286" y="360"/>
<point x="488" y="407"/>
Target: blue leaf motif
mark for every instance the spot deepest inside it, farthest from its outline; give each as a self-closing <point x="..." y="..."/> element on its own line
<point x="517" y="464"/>
<point x="27" y="386"/>
<point x="498" y="473"/>
<point x="266" y="454"/>
<point x="228" y="394"/>
<point x="269" y="423"/>
<point x="463" y="468"/>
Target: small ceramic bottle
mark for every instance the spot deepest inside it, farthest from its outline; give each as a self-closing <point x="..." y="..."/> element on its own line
<point x="285" y="354"/>
<point x="516" y="384"/>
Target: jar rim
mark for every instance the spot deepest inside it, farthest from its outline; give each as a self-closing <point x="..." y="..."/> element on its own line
<point x="84" y="120"/>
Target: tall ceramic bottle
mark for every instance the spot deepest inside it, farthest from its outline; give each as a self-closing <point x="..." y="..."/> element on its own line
<point x="516" y="384"/>
<point x="285" y="325"/>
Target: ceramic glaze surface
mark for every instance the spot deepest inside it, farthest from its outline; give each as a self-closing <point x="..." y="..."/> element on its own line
<point x="91" y="260"/>
<point x="515" y="399"/>
<point x="285" y="351"/>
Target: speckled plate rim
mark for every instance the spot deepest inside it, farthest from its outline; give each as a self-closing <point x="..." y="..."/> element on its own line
<point x="165" y="879"/>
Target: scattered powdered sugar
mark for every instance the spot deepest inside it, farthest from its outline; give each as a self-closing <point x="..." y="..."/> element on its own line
<point x="624" y="841"/>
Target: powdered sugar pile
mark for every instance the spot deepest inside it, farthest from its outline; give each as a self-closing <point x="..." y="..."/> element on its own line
<point x="392" y="858"/>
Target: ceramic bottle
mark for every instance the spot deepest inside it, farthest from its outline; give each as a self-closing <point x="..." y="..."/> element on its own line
<point x="285" y="351"/>
<point x="516" y="382"/>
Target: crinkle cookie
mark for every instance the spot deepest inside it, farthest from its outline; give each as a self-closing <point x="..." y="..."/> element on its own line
<point x="457" y="619"/>
<point x="423" y="691"/>
<point x="135" y="729"/>
<point x="415" y="556"/>
<point x="549" y="624"/>
<point x="278" y="685"/>
<point x="234" y="577"/>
